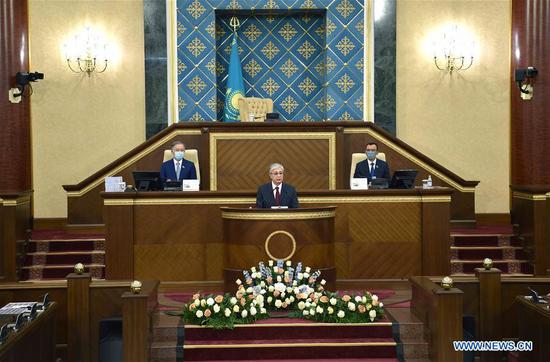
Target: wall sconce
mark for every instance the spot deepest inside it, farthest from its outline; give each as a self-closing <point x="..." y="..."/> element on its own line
<point x="86" y="52"/>
<point x="453" y="51"/>
<point x="523" y="77"/>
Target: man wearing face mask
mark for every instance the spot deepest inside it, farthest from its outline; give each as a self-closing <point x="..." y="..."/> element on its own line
<point x="274" y="193"/>
<point x="178" y="168"/>
<point x="372" y="168"/>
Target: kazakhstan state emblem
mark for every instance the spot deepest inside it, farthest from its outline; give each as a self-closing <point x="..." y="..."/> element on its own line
<point x="232" y="103"/>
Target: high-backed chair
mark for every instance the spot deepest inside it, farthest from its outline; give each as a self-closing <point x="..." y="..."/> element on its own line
<point x="358" y="157"/>
<point x="259" y="107"/>
<point x="190" y="155"/>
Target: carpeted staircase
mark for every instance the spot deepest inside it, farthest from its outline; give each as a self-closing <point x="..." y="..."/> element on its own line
<point x="399" y="337"/>
<point x="52" y="254"/>
<point x="470" y="246"/>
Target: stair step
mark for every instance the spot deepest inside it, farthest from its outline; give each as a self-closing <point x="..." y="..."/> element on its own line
<point x="65" y="245"/>
<point x="493" y="252"/>
<point x="65" y="257"/>
<point x="61" y="271"/>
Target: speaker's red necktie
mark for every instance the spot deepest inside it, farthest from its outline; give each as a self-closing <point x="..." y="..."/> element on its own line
<point x="277" y="196"/>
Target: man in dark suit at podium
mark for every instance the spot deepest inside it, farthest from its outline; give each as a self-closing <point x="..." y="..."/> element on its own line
<point x="178" y="168"/>
<point x="372" y="167"/>
<point x="274" y="193"/>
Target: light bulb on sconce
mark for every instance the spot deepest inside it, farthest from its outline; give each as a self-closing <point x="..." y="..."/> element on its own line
<point x="453" y="50"/>
<point x="86" y="52"/>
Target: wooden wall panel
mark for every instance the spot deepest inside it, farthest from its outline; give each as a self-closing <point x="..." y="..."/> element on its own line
<point x="15" y="134"/>
<point x="529" y="124"/>
<point x="243" y="164"/>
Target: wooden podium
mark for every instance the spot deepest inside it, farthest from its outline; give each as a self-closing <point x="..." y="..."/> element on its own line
<point x="254" y="235"/>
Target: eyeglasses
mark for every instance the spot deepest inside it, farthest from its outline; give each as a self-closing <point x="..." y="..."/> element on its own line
<point x="277" y="173"/>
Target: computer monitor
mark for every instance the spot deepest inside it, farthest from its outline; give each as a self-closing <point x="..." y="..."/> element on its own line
<point x="403" y="179"/>
<point x="147" y="180"/>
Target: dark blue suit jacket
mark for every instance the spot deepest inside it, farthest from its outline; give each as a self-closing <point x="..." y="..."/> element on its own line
<point x="381" y="170"/>
<point x="265" y="198"/>
<point x="187" y="171"/>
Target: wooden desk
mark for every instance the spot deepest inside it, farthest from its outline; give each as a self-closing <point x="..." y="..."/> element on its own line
<point x="35" y="341"/>
<point x="179" y="236"/>
<point x="533" y="325"/>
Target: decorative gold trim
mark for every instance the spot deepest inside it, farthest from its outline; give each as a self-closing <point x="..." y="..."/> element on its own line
<point x="436" y="198"/>
<point x="133" y="159"/>
<point x="532" y="197"/>
<point x="268" y="325"/>
<point x="329" y="136"/>
<point x="409" y="156"/>
<point x="15" y="202"/>
<point x="268" y="239"/>
<point x="359" y="199"/>
<point x="288" y="345"/>
<point x="179" y="201"/>
<point x="297" y="215"/>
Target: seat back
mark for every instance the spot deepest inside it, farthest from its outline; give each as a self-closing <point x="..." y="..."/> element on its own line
<point x="190" y="155"/>
<point x="358" y="157"/>
<point x="259" y="107"/>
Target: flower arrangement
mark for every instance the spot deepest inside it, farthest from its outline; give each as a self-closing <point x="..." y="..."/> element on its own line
<point x="280" y="286"/>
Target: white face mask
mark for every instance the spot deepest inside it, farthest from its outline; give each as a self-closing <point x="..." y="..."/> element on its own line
<point x="178" y="155"/>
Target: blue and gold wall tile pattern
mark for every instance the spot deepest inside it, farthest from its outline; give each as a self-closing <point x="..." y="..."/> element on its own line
<point x="305" y="55"/>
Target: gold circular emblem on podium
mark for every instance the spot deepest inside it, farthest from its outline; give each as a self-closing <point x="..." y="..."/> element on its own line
<point x="292" y="240"/>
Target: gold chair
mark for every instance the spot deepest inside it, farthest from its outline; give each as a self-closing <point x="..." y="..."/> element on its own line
<point x="358" y="157"/>
<point x="190" y="155"/>
<point x="258" y="107"/>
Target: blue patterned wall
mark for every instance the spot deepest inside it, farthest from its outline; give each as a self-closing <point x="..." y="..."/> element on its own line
<point x="309" y="62"/>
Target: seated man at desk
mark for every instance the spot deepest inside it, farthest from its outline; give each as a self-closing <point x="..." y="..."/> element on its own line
<point x="178" y="168"/>
<point x="274" y="193"/>
<point x="372" y="167"/>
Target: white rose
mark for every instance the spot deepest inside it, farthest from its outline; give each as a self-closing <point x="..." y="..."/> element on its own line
<point x="351" y="306"/>
<point x="253" y="311"/>
<point x="203" y="302"/>
<point x="216" y="308"/>
<point x="260" y="298"/>
<point x="199" y="314"/>
<point x="319" y="310"/>
<point x="364" y="299"/>
<point x="300" y="276"/>
<point x="306" y="275"/>
<point x="244" y="313"/>
<point x="289" y="289"/>
<point x="278" y="303"/>
<point x="279" y="279"/>
<point x="313" y="304"/>
<point x="249" y="290"/>
<point x="269" y="299"/>
<point x="301" y="305"/>
<point x="308" y="269"/>
<point x="294" y="283"/>
<point x="227" y="312"/>
<point x="281" y="287"/>
<point x="374" y="297"/>
<point x="341" y="314"/>
<point x="323" y="282"/>
<point x="271" y="288"/>
<point x="238" y="281"/>
<point x="288" y="263"/>
<point x="236" y="308"/>
<point x="263" y="311"/>
<point x="275" y="269"/>
<point x="372" y="315"/>
<point x="381" y="304"/>
<point x="197" y="302"/>
<point x="312" y="311"/>
<point x="291" y="299"/>
<point x="233" y="300"/>
<point x="283" y="294"/>
<point x="305" y="312"/>
<point x="330" y="310"/>
<point x="308" y="303"/>
<point x="358" y="299"/>
<point x="270" y="263"/>
<point x="253" y="269"/>
<point x="287" y="301"/>
<point x="333" y="301"/>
